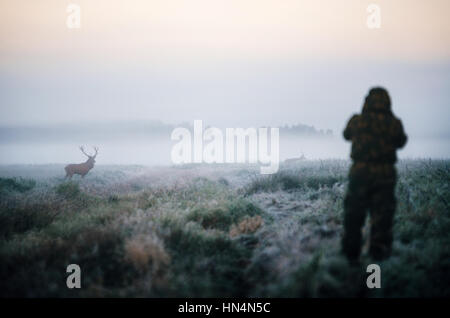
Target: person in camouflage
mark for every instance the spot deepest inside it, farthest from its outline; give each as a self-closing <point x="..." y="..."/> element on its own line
<point x="375" y="134"/>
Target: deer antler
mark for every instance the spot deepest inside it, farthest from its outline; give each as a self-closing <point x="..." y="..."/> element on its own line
<point x="96" y="151"/>
<point x="82" y="150"/>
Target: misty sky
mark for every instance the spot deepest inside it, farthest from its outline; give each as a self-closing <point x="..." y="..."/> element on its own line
<point x="229" y="62"/>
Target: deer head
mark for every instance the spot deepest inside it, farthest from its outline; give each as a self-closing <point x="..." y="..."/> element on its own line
<point x="91" y="159"/>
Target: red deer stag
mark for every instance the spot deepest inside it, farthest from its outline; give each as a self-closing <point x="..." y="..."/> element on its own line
<point x="81" y="168"/>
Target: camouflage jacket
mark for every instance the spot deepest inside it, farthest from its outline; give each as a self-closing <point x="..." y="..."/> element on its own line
<point x="376" y="133"/>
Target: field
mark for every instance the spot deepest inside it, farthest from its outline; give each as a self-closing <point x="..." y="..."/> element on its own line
<point x="214" y="231"/>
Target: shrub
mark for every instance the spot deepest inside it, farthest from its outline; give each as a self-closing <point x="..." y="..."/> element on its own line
<point x="69" y="190"/>
<point x="146" y="252"/>
<point x="224" y="215"/>
<point x="206" y="263"/>
<point x="21" y="219"/>
<point x="285" y="181"/>
<point x="274" y="182"/>
<point x="246" y="226"/>
<point x="16" y="184"/>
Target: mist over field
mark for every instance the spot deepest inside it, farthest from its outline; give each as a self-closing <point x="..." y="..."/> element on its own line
<point x="236" y="64"/>
<point x="143" y="143"/>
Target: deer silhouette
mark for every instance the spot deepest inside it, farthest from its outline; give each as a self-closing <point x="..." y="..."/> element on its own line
<point x="81" y="168"/>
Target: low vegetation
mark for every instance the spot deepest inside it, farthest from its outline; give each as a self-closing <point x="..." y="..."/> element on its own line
<point x="16" y="185"/>
<point x="220" y="231"/>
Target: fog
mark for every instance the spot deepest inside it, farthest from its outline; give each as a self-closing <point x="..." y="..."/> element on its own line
<point x="237" y="63"/>
<point x="323" y="93"/>
<point x="155" y="149"/>
<point x="130" y="116"/>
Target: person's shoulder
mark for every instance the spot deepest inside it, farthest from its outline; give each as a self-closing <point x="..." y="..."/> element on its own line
<point x="397" y="121"/>
<point x="354" y="119"/>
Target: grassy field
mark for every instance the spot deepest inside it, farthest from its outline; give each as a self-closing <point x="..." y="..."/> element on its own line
<point x="213" y="230"/>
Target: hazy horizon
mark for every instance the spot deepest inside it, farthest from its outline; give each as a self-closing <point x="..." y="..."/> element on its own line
<point x="232" y="63"/>
<point x="138" y="143"/>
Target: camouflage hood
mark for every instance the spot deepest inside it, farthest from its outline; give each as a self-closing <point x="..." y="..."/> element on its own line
<point x="377" y="101"/>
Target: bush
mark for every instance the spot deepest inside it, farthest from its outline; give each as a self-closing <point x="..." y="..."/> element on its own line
<point x="247" y="226"/>
<point x="68" y="190"/>
<point x="285" y="181"/>
<point x="24" y="218"/>
<point x="206" y="263"/>
<point x="16" y="184"/>
<point x="224" y="215"/>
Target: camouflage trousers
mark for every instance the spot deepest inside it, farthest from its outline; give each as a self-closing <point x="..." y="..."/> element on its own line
<point x="371" y="189"/>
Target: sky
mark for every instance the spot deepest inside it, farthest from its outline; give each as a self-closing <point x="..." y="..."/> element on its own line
<point x="227" y="62"/>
